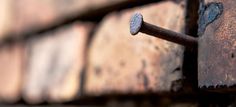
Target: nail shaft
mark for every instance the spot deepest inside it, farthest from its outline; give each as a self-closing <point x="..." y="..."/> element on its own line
<point x="168" y="35"/>
<point x="138" y="25"/>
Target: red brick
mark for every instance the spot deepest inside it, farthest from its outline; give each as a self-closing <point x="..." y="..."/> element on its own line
<point x="11" y="64"/>
<point x="35" y="14"/>
<point x="121" y="63"/>
<point x="55" y="63"/>
<point x="5" y="17"/>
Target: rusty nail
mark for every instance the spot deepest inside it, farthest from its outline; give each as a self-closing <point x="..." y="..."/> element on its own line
<point x="138" y="25"/>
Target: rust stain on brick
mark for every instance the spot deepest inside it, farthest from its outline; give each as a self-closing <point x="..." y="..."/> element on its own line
<point x="97" y="70"/>
<point x="143" y="79"/>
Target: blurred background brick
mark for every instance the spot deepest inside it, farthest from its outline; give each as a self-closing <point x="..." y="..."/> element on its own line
<point x="55" y="63"/>
<point x="120" y="63"/>
<point x="11" y="72"/>
<point x="30" y="15"/>
<point x="5" y="17"/>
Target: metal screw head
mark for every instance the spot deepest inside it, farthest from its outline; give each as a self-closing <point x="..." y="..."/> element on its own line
<point x="136" y="22"/>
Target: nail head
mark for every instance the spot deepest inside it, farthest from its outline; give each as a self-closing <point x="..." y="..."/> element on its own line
<point x="136" y="23"/>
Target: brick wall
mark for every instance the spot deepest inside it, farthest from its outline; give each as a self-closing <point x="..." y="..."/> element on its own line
<point x="81" y="52"/>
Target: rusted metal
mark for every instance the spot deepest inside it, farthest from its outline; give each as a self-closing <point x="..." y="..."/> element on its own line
<point x="217" y="44"/>
<point x="138" y="25"/>
<point x="208" y="14"/>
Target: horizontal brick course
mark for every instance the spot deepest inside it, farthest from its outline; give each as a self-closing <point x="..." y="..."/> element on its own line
<point x="121" y="63"/>
<point x="55" y="63"/>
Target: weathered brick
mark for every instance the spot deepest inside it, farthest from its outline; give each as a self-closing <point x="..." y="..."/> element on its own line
<point x="34" y="14"/>
<point x="119" y="62"/>
<point x="55" y="63"/>
<point x="11" y="64"/>
<point x="5" y="17"/>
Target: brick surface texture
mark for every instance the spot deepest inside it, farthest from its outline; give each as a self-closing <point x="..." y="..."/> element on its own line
<point x="121" y="63"/>
<point x="90" y="52"/>
<point x="5" y="17"/>
<point x="55" y="63"/>
<point x="33" y="14"/>
<point x="11" y="73"/>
